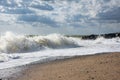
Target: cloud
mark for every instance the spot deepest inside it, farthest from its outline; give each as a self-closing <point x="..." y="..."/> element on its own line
<point x="111" y="15"/>
<point x="43" y="7"/>
<point x="73" y="14"/>
<point x="18" y="11"/>
<point x="7" y="3"/>
<point x="77" y="18"/>
<point x="36" y="18"/>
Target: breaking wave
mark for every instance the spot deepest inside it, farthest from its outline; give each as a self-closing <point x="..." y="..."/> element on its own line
<point x="11" y="43"/>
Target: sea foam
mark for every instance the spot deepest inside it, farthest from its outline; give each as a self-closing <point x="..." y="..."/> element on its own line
<point x="11" y="43"/>
<point x="47" y="48"/>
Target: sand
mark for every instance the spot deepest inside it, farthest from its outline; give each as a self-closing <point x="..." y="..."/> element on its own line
<point x="94" y="67"/>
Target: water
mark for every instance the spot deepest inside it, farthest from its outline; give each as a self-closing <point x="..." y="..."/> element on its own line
<point x="17" y="50"/>
<point x="11" y="43"/>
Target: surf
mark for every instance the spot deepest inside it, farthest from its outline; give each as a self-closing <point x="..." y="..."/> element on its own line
<point x="12" y="43"/>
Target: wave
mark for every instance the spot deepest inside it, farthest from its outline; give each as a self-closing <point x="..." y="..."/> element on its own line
<point x="102" y="40"/>
<point x="11" y="43"/>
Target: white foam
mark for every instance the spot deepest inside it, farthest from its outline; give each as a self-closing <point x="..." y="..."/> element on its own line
<point x="11" y="43"/>
<point x="68" y="47"/>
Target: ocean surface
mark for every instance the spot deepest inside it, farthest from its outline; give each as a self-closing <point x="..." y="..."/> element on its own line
<point x="17" y="50"/>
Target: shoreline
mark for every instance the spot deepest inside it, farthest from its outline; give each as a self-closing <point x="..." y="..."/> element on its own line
<point x="48" y="70"/>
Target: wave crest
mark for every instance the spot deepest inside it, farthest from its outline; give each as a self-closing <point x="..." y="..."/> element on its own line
<point x="11" y="43"/>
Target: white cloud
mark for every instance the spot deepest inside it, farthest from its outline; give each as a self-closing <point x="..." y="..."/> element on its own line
<point x="68" y="16"/>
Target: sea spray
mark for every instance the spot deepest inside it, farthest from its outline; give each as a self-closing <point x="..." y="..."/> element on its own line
<point x="102" y="40"/>
<point x="11" y="43"/>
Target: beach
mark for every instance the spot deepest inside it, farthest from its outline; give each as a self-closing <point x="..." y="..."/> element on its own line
<point x="59" y="40"/>
<point x="104" y="66"/>
<point x="65" y="58"/>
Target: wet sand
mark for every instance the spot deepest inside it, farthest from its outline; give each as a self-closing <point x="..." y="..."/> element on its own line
<point x="95" y="67"/>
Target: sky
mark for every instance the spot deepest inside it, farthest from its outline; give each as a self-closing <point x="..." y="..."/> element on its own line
<point x="71" y="17"/>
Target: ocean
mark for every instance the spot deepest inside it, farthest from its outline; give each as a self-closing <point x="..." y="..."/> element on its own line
<point x="17" y="50"/>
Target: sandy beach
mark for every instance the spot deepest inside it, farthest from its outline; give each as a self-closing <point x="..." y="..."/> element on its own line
<point x="59" y="39"/>
<point x="104" y="66"/>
